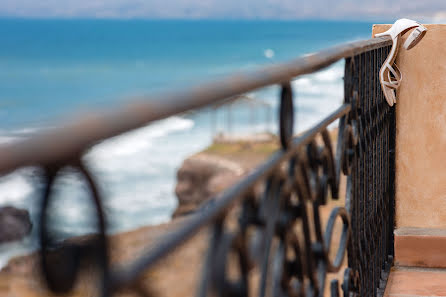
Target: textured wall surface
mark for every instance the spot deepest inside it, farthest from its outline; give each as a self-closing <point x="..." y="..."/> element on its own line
<point x="421" y="132"/>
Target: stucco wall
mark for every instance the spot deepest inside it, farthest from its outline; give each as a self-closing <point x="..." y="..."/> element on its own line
<point x="421" y="132"/>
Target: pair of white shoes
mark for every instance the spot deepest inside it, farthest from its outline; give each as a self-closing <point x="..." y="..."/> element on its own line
<point x="389" y="76"/>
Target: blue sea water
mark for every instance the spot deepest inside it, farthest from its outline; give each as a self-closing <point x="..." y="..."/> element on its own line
<point x="50" y="68"/>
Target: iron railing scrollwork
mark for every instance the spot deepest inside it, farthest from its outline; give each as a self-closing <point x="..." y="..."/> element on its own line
<point x="61" y="278"/>
<point x="279" y="234"/>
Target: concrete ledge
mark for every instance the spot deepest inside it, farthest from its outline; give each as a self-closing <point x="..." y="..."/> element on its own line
<point x="420" y="154"/>
<point x="421" y="247"/>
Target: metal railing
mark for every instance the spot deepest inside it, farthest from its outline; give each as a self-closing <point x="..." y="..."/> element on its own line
<point x="279" y="228"/>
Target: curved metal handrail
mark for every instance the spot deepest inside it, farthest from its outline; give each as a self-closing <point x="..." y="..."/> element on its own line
<point x="81" y="132"/>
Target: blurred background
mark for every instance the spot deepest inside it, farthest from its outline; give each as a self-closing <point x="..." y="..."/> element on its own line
<point x="60" y="58"/>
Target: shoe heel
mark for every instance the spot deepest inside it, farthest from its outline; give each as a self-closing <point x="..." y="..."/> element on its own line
<point x="384" y="33"/>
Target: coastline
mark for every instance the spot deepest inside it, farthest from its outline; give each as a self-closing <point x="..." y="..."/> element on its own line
<point x="21" y="276"/>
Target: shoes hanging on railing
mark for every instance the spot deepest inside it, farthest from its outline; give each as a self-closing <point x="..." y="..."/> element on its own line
<point x="389" y="74"/>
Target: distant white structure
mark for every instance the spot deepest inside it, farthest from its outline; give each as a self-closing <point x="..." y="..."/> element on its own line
<point x="257" y="108"/>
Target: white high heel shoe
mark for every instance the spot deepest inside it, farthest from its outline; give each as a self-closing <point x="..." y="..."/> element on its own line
<point x="389" y="76"/>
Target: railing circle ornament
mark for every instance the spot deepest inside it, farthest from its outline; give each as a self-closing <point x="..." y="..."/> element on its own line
<point x="60" y="262"/>
<point x="286" y="115"/>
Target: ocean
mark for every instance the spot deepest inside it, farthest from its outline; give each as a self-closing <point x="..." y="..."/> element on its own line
<point x="51" y="69"/>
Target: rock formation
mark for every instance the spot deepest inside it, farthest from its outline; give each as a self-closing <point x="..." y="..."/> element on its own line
<point x="200" y="178"/>
<point x="14" y="224"/>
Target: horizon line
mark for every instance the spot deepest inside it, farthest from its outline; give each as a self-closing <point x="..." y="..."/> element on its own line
<point x="284" y="19"/>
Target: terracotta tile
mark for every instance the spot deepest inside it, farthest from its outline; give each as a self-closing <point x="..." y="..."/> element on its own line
<point x="420" y="247"/>
<point x="405" y="282"/>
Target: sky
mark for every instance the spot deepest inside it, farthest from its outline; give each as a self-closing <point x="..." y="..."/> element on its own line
<point x="225" y="9"/>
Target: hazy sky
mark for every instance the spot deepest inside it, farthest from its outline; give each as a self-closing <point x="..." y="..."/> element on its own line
<point x="245" y="9"/>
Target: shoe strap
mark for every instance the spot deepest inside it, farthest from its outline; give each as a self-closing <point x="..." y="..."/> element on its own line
<point x="393" y="82"/>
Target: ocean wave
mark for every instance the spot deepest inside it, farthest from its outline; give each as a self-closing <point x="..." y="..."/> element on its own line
<point x="15" y="249"/>
<point x="318" y="82"/>
<point x="332" y="74"/>
<point x="14" y="135"/>
<point x="15" y="188"/>
<point x="5" y="139"/>
<point x="125" y="163"/>
<point x="140" y="139"/>
<point x="129" y="152"/>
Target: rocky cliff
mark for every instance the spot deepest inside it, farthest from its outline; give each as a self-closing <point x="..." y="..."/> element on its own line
<point x="15" y="223"/>
<point x="204" y="175"/>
